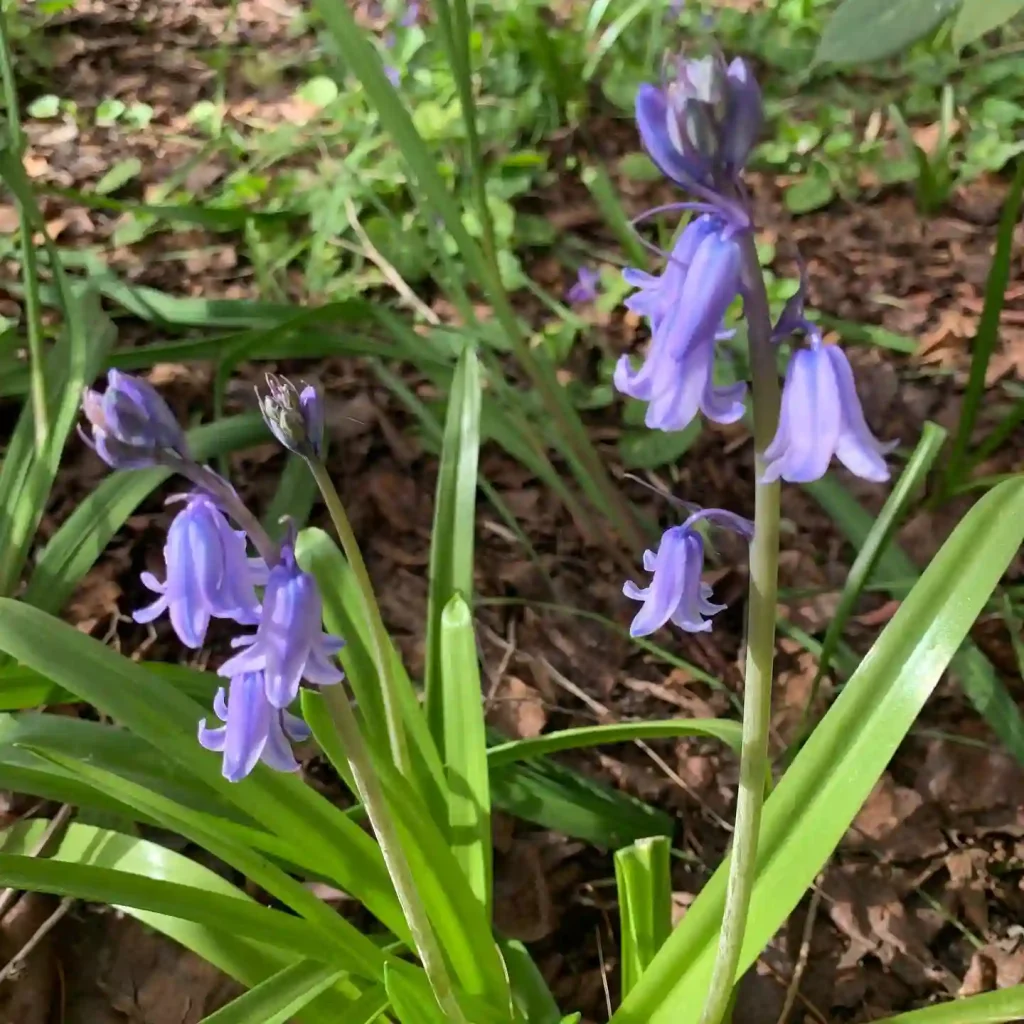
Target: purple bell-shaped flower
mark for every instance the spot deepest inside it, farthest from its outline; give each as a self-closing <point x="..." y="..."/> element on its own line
<point x="253" y="730"/>
<point x="208" y="574"/>
<point x="676" y="592"/>
<point x="289" y="644"/>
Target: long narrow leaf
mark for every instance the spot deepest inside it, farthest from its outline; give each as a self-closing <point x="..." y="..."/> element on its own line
<point x="280" y="997"/>
<point x="987" y="1008"/>
<point x="812" y="807"/>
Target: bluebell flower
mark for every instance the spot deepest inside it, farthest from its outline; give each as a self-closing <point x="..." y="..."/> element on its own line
<point x="289" y="644"/>
<point x="132" y="426"/>
<point x="700" y="128"/>
<point x="295" y="418"/>
<point x="584" y="289"/>
<point x="254" y="730"/>
<point x="686" y="306"/>
<point x="821" y="416"/>
<point x="676" y="592"/>
<point x="410" y="16"/>
<point x="208" y="574"/>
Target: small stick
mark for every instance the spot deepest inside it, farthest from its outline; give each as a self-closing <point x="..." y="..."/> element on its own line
<point x="801" y="961"/>
<point x="10" y="896"/>
<point x="18" y="961"/>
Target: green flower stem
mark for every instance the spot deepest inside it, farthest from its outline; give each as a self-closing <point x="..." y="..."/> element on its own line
<point x="757" y="689"/>
<point x="372" y="796"/>
<point x="379" y="642"/>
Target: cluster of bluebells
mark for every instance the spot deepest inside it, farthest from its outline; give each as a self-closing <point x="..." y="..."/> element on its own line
<point x="699" y="128"/>
<point x="209" y="572"/>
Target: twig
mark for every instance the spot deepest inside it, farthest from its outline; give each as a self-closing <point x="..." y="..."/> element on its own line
<point x="604" y="972"/>
<point x="394" y="278"/>
<point x="801" y="961"/>
<point x="17" y="962"/>
<point x="10" y="896"/>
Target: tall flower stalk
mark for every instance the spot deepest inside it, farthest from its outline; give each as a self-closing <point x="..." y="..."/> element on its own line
<point x="699" y="129"/>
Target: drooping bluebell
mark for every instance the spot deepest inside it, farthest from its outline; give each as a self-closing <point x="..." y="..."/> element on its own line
<point x="584" y="288"/>
<point x="676" y="592"/>
<point x="253" y="729"/>
<point x="685" y="306"/>
<point x="289" y="644"/>
<point x="208" y="574"/>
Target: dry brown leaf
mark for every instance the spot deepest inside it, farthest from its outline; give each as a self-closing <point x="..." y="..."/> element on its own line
<point x="517" y="709"/>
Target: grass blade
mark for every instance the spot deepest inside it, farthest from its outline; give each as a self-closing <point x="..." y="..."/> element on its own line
<point x="644" y="883"/>
<point x="465" y="744"/>
<point x="975" y="673"/>
<point x="277" y="999"/>
<point x="988" y="1008"/>
<point x="453" y="534"/>
<point x="988" y="329"/>
<point x="893" y="511"/>
<point x="619" y="732"/>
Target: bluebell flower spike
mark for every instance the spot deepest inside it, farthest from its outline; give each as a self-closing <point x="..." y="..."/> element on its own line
<point x="132" y="427"/>
<point x="208" y="574"/>
<point x="676" y="593"/>
<point x="295" y="418"/>
<point x="253" y="730"/>
<point x="289" y="644"/>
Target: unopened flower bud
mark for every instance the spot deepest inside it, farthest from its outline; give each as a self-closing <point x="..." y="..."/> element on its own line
<point x="295" y="418"/>
<point x="132" y="426"/>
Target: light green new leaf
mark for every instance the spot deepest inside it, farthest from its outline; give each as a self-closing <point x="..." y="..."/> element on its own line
<point x="867" y="30"/>
<point x="644" y="884"/>
<point x="451" y="548"/>
<point x="346" y="944"/>
<point x="280" y="997"/>
<point x="246" y="961"/>
<point x="465" y="743"/>
<point x="988" y="1008"/>
<point x="977" y="17"/>
<point x="409" y="1004"/>
<point x="812" y="807"/>
<point x="618" y="732"/>
<point x="166" y="718"/>
<point x="975" y="673"/>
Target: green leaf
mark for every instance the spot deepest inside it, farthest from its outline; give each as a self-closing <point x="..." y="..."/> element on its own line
<point x="320" y="91"/>
<point x="810" y="193"/>
<point x="643" y="881"/>
<point x="119" y="175"/>
<point x="811" y="808"/>
<point x="44" y="107"/>
<point x="532" y="996"/>
<point x="908" y="486"/>
<point x="344" y="940"/>
<point x="566" y="802"/>
<point x="279" y="998"/>
<point x="977" y="17"/>
<point x="649" y="449"/>
<point x="72" y="551"/>
<point x="988" y="1008"/>
<point x="451" y="548"/>
<point x="867" y="30"/>
<point x="469" y="796"/>
<point x="247" y="962"/>
<point x="407" y="1001"/>
<point x="166" y="719"/>
<point x="97" y="884"/>
<point x="987" y="336"/>
<point x="619" y="732"/>
<point x="975" y="673"/>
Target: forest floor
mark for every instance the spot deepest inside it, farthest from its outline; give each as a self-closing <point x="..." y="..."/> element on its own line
<point x="923" y="900"/>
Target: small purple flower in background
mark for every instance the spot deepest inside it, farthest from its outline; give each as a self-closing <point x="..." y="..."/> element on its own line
<point x="676" y="592"/>
<point x="253" y="729"/>
<point x="821" y="416"/>
<point x="585" y="287"/>
<point x="686" y="306"/>
<point x="411" y="15"/>
<point x="208" y="574"/>
<point x="132" y="426"/>
<point x="394" y="76"/>
<point x="289" y="644"/>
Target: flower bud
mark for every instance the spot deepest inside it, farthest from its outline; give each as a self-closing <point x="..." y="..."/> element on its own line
<point x="295" y="418"/>
<point x="132" y="426"/>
